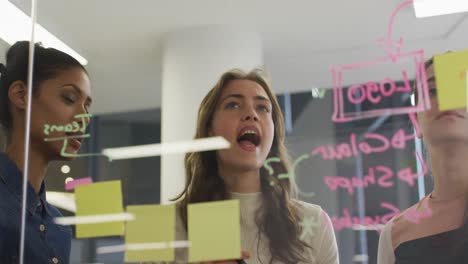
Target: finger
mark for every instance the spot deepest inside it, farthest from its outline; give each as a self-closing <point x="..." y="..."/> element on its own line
<point x="245" y="255"/>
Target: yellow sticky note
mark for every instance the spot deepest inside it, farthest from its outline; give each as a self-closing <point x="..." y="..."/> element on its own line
<point x="148" y="237"/>
<point x="450" y="73"/>
<point x="214" y="231"/>
<point x="97" y="199"/>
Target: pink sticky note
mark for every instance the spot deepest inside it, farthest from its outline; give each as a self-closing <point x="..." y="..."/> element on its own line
<point x="72" y="184"/>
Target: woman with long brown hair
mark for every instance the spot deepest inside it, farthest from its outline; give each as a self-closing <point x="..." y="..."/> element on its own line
<point x="242" y="108"/>
<point x="435" y="230"/>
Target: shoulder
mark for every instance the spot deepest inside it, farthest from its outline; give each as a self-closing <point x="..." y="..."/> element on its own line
<point x="385" y="250"/>
<point x="395" y="230"/>
<point x="408" y="222"/>
<point x="5" y="187"/>
<point x="312" y="211"/>
<point x="53" y="211"/>
<point x="386" y="231"/>
<point x="10" y="204"/>
<point x="4" y="192"/>
<point x="10" y="208"/>
<point x="307" y="209"/>
<point x="317" y="231"/>
<point x="8" y="201"/>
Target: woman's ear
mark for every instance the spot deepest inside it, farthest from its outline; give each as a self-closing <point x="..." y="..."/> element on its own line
<point x="17" y="94"/>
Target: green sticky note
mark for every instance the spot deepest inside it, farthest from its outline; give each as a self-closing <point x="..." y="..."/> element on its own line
<point x="154" y="227"/>
<point x="97" y="199"/>
<point x="214" y="231"/>
<point x="450" y="73"/>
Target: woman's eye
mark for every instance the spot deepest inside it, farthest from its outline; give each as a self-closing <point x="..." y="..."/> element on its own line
<point x="264" y="108"/>
<point x="69" y="99"/>
<point x="232" y="105"/>
<point x="433" y="92"/>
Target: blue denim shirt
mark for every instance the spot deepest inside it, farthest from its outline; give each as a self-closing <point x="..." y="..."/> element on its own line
<point x="45" y="242"/>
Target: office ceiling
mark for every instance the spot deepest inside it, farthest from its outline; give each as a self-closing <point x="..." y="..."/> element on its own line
<point x="301" y="39"/>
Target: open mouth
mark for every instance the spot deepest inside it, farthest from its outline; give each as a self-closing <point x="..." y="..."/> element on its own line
<point x="249" y="138"/>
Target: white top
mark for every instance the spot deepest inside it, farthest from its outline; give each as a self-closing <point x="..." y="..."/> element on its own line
<point x="320" y="236"/>
<point x="386" y="254"/>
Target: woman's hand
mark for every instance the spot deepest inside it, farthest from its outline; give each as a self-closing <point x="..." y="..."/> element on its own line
<point x="245" y="255"/>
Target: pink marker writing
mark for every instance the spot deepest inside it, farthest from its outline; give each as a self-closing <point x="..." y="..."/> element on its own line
<point x="346" y="221"/>
<point x="374" y="143"/>
<point x="374" y="91"/>
<point x="383" y="179"/>
<point x="415" y="215"/>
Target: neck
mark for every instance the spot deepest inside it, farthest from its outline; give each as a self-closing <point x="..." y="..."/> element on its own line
<point x="37" y="161"/>
<point x="450" y="170"/>
<point x="240" y="181"/>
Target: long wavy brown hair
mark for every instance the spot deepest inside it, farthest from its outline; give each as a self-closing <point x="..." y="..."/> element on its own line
<point x="278" y="219"/>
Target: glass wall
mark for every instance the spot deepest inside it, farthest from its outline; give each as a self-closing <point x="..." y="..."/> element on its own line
<point x="348" y="103"/>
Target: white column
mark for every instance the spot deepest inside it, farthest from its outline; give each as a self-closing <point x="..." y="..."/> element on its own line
<point x="193" y="60"/>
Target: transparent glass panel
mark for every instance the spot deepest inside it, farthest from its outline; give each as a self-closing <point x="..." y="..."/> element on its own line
<point x="352" y="86"/>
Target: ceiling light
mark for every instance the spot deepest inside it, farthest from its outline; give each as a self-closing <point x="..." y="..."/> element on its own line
<point x="65" y="169"/>
<point x="15" y="26"/>
<point x="361" y="258"/>
<point x="428" y="8"/>
<point x="142" y="151"/>
<point x="69" y="179"/>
